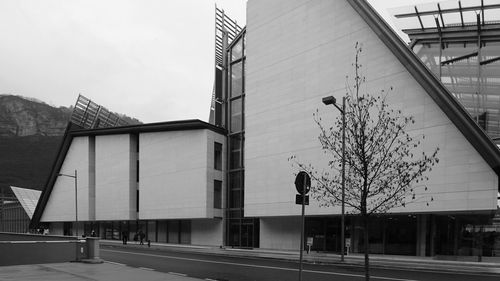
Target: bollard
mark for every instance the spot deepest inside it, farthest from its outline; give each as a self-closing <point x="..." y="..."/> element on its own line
<point x="93" y="248"/>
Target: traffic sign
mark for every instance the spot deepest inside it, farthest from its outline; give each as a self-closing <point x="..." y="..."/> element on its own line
<point x="301" y="178"/>
<point x="298" y="199"/>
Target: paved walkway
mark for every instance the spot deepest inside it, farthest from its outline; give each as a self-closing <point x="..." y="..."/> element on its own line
<point x="75" y="271"/>
<point x="390" y="261"/>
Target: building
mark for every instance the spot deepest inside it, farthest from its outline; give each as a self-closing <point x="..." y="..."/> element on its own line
<point x="17" y="208"/>
<point x="229" y="182"/>
<point x="460" y="44"/>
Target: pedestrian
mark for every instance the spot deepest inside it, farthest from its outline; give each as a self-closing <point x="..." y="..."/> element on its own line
<point x="141" y="237"/>
<point x="124" y="238"/>
<point x="92" y="233"/>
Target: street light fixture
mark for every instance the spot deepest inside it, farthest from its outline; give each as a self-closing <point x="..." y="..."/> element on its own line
<point x="327" y="101"/>
<point x="75" y="176"/>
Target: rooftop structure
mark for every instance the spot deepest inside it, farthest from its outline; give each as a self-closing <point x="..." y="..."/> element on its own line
<point x="89" y="115"/>
<point x="459" y="42"/>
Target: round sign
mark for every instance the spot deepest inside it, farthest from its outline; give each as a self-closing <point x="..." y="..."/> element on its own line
<point x="299" y="182"/>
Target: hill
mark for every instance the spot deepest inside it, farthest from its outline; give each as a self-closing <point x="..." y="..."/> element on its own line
<point x="30" y="134"/>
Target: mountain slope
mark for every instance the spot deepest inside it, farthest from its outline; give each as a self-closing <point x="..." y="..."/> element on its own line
<point x="30" y="134"/>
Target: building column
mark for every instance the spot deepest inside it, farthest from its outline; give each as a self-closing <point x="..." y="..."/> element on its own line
<point x="421" y="234"/>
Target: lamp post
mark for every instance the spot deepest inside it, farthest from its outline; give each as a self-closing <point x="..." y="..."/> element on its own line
<point x="327" y="101"/>
<point x="75" y="176"/>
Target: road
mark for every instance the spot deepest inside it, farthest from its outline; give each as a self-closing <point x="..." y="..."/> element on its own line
<point x="224" y="268"/>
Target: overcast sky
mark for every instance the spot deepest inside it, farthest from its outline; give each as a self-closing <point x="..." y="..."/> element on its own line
<point x="149" y="59"/>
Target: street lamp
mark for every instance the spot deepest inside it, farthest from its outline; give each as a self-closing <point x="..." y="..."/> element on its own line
<point x="327" y="101"/>
<point x="75" y="176"/>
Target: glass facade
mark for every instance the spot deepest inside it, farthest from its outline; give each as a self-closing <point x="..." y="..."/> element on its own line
<point x="241" y="231"/>
<point x="472" y="74"/>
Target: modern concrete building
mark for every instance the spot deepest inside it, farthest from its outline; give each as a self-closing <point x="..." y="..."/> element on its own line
<point x="229" y="182"/>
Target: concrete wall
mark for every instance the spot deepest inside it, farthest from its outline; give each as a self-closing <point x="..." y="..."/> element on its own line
<point x="207" y="232"/>
<point x="174" y="178"/>
<point x="300" y="51"/>
<point x="280" y="233"/>
<point x="115" y="191"/>
<point x="37" y="249"/>
<point x="61" y="204"/>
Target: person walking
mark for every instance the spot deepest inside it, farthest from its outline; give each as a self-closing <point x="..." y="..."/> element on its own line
<point x="141" y="237"/>
<point x="124" y="238"/>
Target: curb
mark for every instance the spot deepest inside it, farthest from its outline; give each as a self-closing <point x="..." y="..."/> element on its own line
<point x="416" y="264"/>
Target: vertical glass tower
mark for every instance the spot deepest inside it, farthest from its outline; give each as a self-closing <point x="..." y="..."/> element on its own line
<point x="228" y="104"/>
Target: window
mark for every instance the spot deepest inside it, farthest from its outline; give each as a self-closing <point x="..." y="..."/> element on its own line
<point x="236" y="159"/>
<point x="236" y="79"/>
<point x="237" y="50"/>
<point x="217" y="194"/>
<point x="217" y="156"/>
<point x="236" y="115"/>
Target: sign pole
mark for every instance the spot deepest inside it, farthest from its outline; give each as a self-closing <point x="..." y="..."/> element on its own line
<point x="302" y="227"/>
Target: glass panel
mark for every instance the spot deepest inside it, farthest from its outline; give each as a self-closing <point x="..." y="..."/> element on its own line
<point x="217" y="194"/>
<point x="454" y="50"/>
<point x="235" y="181"/>
<point x="236" y="79"/>
<point x="185" y="232"/>
<point x="429" y="55"/>
<point x="237" y="50"/>
<point x="234" y="233"/>
<point x="217" y="156"/>
<point x="151" y="235"/>
<point x="236" y="115"/>
<point x="235" y="199"/>
<point x="236" y="152"/>
<point x="173" y="232"/>
<point x="162" y="231"/>
<point x="489" y="119"/>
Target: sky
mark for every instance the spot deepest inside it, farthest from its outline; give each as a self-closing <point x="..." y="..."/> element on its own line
<point x="148" y="59"/>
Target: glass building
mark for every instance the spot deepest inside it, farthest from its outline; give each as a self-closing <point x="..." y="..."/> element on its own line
<point x="227" y="111"/>
<point x="460" y="44"/>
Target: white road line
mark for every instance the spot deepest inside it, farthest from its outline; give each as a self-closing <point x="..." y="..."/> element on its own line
<point x="146" y="268"/>
<point x="259" y="266"/>
<point x="176" y="273"/>
<point x="208" y="279"/>
<point x="117" y="263"/>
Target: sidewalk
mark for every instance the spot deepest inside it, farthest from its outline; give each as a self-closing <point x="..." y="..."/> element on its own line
<point x="75" y="271"/>
<point x="388" y="261"/>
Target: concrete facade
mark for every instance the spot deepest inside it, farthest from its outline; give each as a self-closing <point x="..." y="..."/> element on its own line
<point x="115" y="177"/>
<point x="163" y="180"/>
<point x="176" y="174"/>
<point x="287" y="75"/>
<point x="61" y="205"/>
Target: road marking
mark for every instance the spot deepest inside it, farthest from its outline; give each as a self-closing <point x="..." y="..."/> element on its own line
<point x="176" y="273"/>
<point x="146" y="268"/>
<point x="258" y="266"/>
<point x="117" y="263"/>
<point x="208" y="279"/>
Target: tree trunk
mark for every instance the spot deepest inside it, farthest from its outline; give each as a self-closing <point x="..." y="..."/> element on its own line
<point x="366" y="245"/>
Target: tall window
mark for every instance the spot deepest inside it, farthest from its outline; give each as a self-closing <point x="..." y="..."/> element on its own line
<point x="217" y="194"/>
<point x="217" y="156"/>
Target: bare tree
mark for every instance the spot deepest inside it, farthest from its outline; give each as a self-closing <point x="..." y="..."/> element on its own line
<point x="382" y="171"/>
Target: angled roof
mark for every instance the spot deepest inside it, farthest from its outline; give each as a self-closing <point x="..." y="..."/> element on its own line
<point x="436" y="90"/>
<point x="73" y="130"/>
<point x="28" y="198"/>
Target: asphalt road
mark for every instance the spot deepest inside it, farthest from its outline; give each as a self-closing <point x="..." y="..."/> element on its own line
<point x="222" y="268"/>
